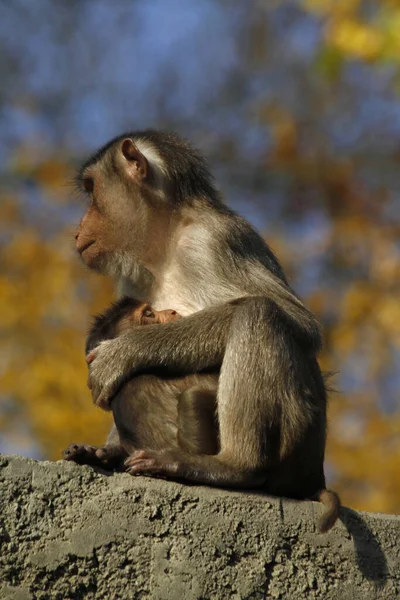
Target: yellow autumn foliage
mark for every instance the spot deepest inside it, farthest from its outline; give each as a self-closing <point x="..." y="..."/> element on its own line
<point x="347" y="31"/>
<point x="46" y="299"/>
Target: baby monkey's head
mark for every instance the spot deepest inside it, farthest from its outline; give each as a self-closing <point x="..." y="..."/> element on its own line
<point x="141" y="313"/>
<point x="122" y="316"/>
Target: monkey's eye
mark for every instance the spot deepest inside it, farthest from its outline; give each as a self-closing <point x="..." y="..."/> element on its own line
<point x="148" y="313"/>
<point x="88" y="184"/>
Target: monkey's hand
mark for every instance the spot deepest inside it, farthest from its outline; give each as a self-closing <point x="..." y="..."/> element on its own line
<point x="109" y="365"/>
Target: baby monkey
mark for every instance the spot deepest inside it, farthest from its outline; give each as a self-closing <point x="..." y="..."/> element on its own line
<point x="154" y="410"/>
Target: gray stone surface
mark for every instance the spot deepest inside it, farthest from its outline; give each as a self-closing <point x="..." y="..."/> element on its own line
<point x="69" y="532"/>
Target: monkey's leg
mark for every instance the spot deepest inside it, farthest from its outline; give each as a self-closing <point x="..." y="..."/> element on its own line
<point x="197" y="421"/>
<point x="145" y="413"/>
<point x="145" y="416"/>
<point x="264" y="406"/>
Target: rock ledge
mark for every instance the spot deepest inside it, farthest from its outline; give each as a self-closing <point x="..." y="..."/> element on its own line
<point x="69" y="532"/>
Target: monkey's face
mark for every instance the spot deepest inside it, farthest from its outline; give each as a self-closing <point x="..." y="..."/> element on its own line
<point x="114" y="232"/>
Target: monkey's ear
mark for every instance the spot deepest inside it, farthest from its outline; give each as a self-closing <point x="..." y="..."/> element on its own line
<point x="138" y="165"/>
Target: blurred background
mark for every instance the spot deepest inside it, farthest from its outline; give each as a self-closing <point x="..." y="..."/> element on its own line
<point x="297" y="106"/>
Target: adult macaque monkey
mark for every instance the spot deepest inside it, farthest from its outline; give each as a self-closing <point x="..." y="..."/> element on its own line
<point x="153" y="410"/>
<point x="157" y="224"/>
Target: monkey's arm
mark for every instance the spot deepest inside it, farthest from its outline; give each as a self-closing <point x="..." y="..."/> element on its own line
<point x="188" y="345"/>
<point x="185" y="346"/>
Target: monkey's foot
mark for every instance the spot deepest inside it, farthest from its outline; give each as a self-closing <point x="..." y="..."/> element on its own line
<point x="149" y="462"/>
<point x="106" y="457"/>
<point x="80" y="453"/>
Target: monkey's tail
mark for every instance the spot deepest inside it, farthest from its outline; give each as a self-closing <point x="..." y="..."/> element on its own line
<point x="332" y="503"/>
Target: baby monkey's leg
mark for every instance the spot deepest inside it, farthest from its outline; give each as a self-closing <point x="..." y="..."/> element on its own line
<point x="197" y="421"/>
